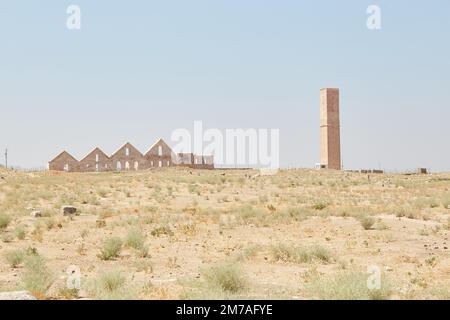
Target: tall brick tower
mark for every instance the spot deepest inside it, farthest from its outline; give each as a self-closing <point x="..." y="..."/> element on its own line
<point x="330" y="140"/>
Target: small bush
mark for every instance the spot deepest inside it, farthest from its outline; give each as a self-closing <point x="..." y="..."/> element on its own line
<point x="346" y="285"/>
<point x="425" y="202"/>
<point x="49" y="223"/>
<point x="38" y="232"/>
<point x="162" y="230"/>
<point x="110" y="286"/>
<point x="250" y="213"/>
<point x="367" y="222"/>
<point x="189" y="229"/>
<point x="68" y="294"/>
<point x="135" y="239"/>
<point x="112" y="281"/>
<point x="36" y="278"/>
<point x="7" y="237"/>
<point x="288" y="254"/>
<point x="321" y="253"/>
<point x="143" y="265"/>
<point x="285" y="253"/>
<point x="226" y="277"/>
<point x="446" y="203"/>
<point x="320" y="205"/>
<point x="400" y="212"/>
<point x="15" y="257"/>
<point x="102" y="193"/>
<point x="100" y="223"/>
<point x="248" y="252"/>
<point x="20" y="232"/>
<point x="5" y="220"/>
<point x="111" y="248"/>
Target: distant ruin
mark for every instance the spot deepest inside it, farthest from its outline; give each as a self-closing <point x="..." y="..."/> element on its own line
<point x="129" y="158"/>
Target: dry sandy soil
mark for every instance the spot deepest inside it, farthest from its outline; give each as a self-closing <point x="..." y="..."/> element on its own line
<point x="180" y="233"/>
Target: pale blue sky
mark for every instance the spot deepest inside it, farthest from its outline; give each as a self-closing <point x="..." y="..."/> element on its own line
<point x="139" y="69"/>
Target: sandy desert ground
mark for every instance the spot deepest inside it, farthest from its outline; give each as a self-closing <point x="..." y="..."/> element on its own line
<point x="187" y="234"/>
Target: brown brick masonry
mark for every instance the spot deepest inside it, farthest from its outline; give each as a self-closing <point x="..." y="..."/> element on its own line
<point x="129" y="158"/>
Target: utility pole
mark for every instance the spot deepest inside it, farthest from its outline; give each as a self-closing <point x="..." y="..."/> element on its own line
<point x="6" y="158"/>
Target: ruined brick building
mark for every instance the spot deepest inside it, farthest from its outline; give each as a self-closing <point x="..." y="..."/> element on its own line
<point x="129" y="158"/>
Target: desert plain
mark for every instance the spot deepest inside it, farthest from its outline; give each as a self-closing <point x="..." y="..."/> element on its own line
<point x="178" y="233"/>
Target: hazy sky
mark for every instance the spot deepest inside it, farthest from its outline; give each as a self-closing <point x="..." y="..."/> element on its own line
<point x="137" y="70"/>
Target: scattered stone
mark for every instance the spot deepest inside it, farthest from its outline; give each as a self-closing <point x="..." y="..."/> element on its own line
<point x="69" y="210"/>
<point x="17" y="295"/>
<point x="36" y="214"/>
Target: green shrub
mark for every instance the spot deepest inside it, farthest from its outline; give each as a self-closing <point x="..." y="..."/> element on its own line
<point x="320" y="205"/>
<point x="110" y="286"/>
<point x="346" y="285"/>
<point x="367" y="222"/>
<point x="15" y="257"/>
<point x="226" y="277"/>
<point x="111" y="248"/>
<point x="112" y="281"/>
<point x="321" y="253"/>
<point x="20" y="231"/>
<point x="292" y="254"/>
<point x="135" y="239"/>
<point x="5" y="220"/>
<point x="286" y="253"/>
<point x="162" y="230"/>
<point x="36" y="277"/>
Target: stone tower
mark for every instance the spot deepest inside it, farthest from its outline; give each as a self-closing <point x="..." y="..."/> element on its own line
<point x="330" y="140"/>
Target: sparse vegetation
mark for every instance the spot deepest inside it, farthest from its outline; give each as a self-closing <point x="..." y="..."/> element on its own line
<point x="162" y="230"/>
<point x="293" y="254"/>
<point x="20" y="231"/>
<point x="15" y="257"/>
<point x="367" y="222"/>
<point x="135" y="239"/>
<point x="111" y="248"/>
<point x="298" y="233"/>
<point x="5" y="220"/>
<point x="226" y="277"/>
<point x="111" y="286"/>
<point x="346" y="285"/>
<point x="36" y="277"/>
